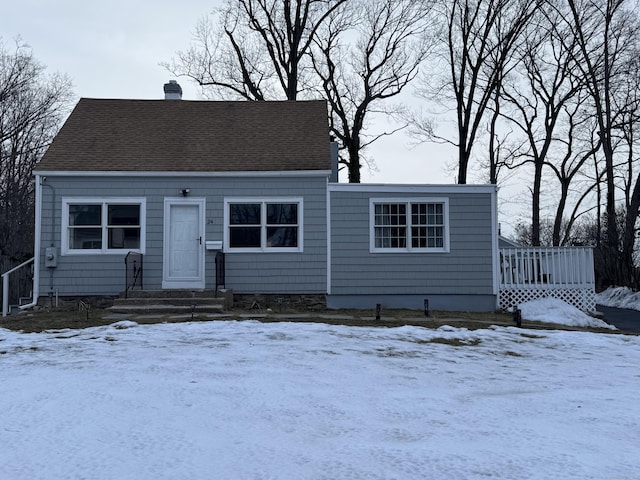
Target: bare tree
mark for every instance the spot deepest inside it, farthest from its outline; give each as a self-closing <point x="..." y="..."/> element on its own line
<point x="257" y="50"/>
<point x="628" y="127"/>
<point x="496" y="161"/>
<point x="605" y="30"/>
<point x="569" y="170"/>
<point x="357" y="54"/>
<point x="480" y="39"/>
<point x="32" y="106"/>
<point x="357" y="78"/>
<point x="545" y="102"/>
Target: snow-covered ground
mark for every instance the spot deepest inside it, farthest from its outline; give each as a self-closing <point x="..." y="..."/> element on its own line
<point x="247" y="400"/>
<point x="620" y="297"/>
<point x="553" y="310"/>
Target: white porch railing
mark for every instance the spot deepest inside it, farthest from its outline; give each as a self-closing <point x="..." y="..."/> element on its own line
<point x="5" y="285"/>
<point x="562" y="272"/>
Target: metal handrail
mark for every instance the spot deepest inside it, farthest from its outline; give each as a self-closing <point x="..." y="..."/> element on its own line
<point x="5" y="285"/>
<point x="220" y="271"/>
<point x="136" y="273"/>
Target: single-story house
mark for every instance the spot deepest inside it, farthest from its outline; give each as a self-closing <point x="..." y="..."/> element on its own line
<point x="180" y="183"/>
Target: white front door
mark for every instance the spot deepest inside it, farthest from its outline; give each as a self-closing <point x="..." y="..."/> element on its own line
<point x="183" y="263"/>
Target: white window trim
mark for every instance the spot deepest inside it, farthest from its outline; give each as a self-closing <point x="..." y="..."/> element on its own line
<point x="408" y="201"/>
<point x="64" y="240"/>
<point x="263" y="224"/>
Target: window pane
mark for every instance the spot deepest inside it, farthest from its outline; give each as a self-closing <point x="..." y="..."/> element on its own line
<point x="124" y="238"/>
<point x="390" y="220"/>
<point x="398" y="214"/>
<point x="85" y="238"/>
<point x="244" y="237"/>
<point x="123" y="214"/>
<point x="382" y="215"/>
<point x="381" y="218"/>
<point x="391" y="237"/>
<point x="435" y="214"/>
<point x="282" y="236"/>
<point x="398" y="237"/>
<point x="382" y="237"/>
<point x="419" y="237"/>
<point x="85" y="215"/>
<point x="282" y="213"/>
<point x="390" y="214"/>
<point x="435" y="237"/>
<point x="244" y="214"/>
<point x="419" y="214"/>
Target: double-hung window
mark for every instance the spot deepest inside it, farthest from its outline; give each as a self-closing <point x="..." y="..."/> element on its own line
<point x="409" y="225"/>
<point x="113" y="225"/>
<point x="273" y="225"/>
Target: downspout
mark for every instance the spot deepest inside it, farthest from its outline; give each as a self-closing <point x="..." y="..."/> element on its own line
<point x="40" y="182"/>
<point x="36" y="245"/>
<point x="333" y="178"/>
<point x="495" y="245"/>
<point x="328" y="207"/>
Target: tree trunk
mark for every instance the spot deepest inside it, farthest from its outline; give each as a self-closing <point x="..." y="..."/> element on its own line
<point x="463" y="158"/>
<point x="557" y="222"/>
<point x="354" y="164"/>
<point x="535" y="205"/>
<point x="629" y="236"/>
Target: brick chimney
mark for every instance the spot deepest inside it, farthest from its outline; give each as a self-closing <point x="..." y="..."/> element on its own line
<point x="172" y="90"/>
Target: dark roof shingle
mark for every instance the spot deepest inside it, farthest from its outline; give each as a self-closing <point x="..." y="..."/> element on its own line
<point x="191" y="136"/>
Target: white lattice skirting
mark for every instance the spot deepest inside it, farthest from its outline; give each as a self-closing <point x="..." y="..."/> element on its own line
<point x="581" y="298"/>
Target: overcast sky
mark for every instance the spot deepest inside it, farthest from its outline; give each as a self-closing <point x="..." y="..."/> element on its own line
<point x="112" y="50"/>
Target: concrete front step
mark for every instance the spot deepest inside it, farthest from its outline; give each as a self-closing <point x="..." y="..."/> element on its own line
<point x="172" y="301"/>
<point x="133" y="309"/>
<point x="174" y="293"/>
<point x="182" y="301"/>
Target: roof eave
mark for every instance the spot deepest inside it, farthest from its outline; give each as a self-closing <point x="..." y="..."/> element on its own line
<point x="123" y="173"/>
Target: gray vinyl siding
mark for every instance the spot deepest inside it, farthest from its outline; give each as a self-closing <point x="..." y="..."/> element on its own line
<point x="103" y="274"/>
<point x="465" y="270"/>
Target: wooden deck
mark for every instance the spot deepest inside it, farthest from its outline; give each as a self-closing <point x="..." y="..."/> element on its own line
<point x="566" y="273"/>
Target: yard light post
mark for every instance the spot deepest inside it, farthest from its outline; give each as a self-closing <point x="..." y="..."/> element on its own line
<point x="517" y="316"/>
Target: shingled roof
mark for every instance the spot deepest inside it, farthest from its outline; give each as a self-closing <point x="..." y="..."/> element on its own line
<point x="191" y="136"/>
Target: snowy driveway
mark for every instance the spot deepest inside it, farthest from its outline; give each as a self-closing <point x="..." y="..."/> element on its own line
<point x="245" y="400"/>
